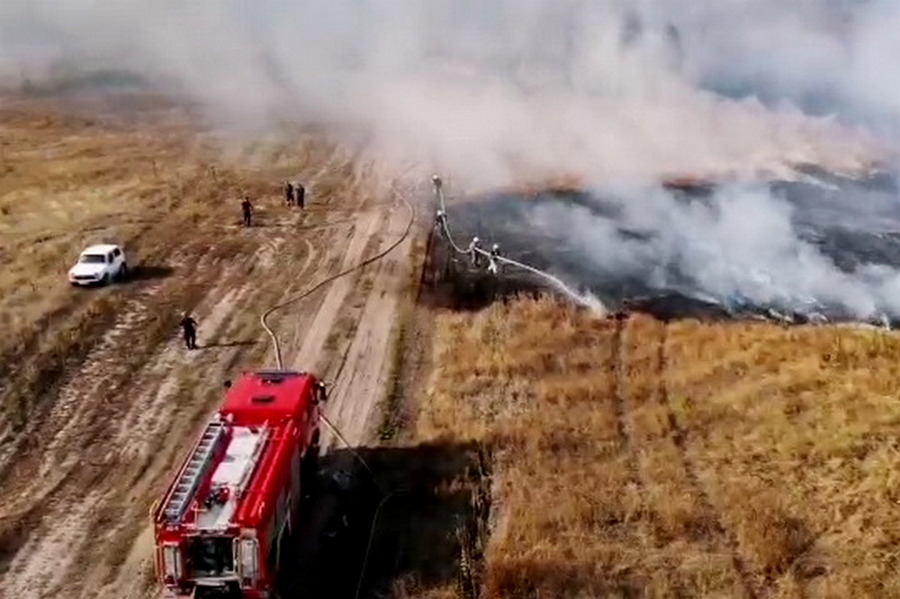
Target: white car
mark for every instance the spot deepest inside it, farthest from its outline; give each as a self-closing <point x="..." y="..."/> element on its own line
<point x="99" y="264"/>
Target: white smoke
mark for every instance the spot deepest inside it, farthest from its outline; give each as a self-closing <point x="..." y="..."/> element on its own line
<point x="493" y="91"/>
<point x="740" y="247"/>
<point x="500" y="92"/>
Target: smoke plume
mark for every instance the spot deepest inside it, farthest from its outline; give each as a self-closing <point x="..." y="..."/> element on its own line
<point x="495" y="93"/>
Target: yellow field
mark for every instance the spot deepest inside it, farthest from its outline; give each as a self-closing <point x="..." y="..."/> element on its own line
<point x="138" y="172"/>
<point x="636" y="458"/>
<point x="69" y="181"/>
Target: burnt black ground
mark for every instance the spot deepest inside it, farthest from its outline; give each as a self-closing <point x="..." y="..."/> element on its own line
<point x="853" y="224"/>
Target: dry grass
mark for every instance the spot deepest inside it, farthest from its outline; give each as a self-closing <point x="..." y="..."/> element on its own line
<point x="143" y="176"/>
<point x="641" y="459"/>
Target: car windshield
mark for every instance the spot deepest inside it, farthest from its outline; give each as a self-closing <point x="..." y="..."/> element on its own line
<point x="92" y="259"/>
<point x="210" y="556"/>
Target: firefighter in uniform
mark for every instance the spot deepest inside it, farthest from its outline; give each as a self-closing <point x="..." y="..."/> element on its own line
<point x="300" y="193"/>
<point x="494" y="264"/>
<point x="247" y="210"/>
<point x="189" y="329"/>
<point x="472" y="250"/>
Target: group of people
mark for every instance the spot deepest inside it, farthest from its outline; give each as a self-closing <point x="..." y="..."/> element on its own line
<point x="294" y="195"/>
<point x="474" y="250"/>
<point x="475" y="253"/>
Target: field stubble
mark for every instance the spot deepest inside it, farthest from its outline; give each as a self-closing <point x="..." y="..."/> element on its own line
<point x="639" y="458"/>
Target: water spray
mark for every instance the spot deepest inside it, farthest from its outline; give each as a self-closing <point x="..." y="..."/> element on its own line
<point x="585" y="300"/>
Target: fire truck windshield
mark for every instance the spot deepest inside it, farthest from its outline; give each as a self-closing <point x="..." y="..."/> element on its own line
<point x="210" y="556"/>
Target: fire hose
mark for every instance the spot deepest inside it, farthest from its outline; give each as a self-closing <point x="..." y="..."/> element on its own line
<point x="264" y="320"/>
<point x="578" y="298"/>
<point x="584" y="300"/>
<point x="292" y="300"/>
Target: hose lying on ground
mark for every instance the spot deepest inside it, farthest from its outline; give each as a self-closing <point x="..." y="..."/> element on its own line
<point x="292" y="300"/>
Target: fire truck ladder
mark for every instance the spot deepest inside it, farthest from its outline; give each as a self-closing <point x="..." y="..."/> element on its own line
<point x="193" y="472"/>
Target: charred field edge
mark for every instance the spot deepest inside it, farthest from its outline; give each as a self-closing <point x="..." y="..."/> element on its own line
<point x="870" y="236"/>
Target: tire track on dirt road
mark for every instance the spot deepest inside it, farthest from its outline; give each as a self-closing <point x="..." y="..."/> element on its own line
<point x="83" y="446"/>
<point x="144" y="431"/>
<point x="308" y="355"/>
<point x="359" y="379"/>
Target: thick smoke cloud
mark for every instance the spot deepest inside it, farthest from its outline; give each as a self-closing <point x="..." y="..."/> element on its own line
<point x="826" y="56"/>
<point x="502" y="92"/>
<point x="492" y="91"/>
<point x="743" y="246"/>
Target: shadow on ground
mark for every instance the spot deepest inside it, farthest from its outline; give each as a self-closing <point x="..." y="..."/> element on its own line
<point x="414" y="520"/>
<point x="226" y="344"/>
<point x="149" y="272"/>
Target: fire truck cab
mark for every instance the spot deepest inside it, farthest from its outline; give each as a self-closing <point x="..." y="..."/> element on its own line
<point x="222" y="526"/>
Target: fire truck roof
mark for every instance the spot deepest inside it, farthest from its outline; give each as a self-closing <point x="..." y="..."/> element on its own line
<point x="256" y="398"/>
<point x="231" y="473"/>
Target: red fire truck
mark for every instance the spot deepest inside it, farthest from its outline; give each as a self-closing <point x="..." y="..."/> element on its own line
<point x="223" y="524"/>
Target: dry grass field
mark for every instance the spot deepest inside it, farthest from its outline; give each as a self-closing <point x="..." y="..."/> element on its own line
<point x="98" y="399"/>
<point x="75" y="177"/>
<point x="631" y="457"/>
<point x="551" y="453"/>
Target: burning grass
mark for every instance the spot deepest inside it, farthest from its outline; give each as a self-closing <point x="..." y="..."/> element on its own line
<point x="632" y="457"/>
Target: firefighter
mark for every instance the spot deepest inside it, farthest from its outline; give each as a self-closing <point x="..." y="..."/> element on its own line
<point x="494" y="264"/>
<point x="189" y="329"/>
<point x="321" y="392"/>
<point x="247" y="209"/>
<point x="472" y="250"/>
<point x="288" y="193"/>
<point x="300" y="193"/>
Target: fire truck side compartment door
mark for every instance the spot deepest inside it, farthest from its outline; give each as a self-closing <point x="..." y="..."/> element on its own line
<point x="246" y="558"/>
<point x="171" y="554"/>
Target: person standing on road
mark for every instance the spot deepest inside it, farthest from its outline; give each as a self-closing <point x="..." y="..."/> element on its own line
<point x="300" y="193"/>
<point x="288" y="193"/>
<point x="247" y="209"/>
<point x="189" y="328"/>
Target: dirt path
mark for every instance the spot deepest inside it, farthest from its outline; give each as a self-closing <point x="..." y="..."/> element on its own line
<point x="361" y="376"/>
<point x="75" y="505"/>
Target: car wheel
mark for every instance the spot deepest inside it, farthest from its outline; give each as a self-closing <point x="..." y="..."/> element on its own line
<point x="104" y="280"/>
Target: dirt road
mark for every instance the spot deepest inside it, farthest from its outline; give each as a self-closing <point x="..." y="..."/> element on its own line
<point x="78" y="482"/>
